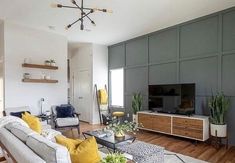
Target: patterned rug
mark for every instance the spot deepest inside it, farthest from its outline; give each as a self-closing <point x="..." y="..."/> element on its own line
<point x="149" y="153"/>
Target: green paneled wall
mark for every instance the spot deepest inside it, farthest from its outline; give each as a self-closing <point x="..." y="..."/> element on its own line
<point x="200" y="51"/>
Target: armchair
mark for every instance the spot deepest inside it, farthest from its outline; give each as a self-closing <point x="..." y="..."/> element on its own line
<point x="65" y="122"/>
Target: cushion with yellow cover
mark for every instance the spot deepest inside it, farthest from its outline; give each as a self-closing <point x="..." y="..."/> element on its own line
<point x="81" y="151"/>
<point x="33" y="122"/>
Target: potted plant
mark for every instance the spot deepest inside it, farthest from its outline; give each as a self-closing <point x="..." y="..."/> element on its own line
<point x="218" y="105"/>
<point x="119" y="129"/>
<point x="52" y="62"/>
<point x="137" y="100"/>
<point x="114" y="158"/>
<point x="47" y="62"/>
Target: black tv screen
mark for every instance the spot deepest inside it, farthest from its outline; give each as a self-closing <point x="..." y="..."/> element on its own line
<point x="172" y="98"/>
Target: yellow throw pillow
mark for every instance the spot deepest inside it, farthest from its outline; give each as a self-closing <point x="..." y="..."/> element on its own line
<point x="33" y="122"/>
<point x="85" y="151"/>
<point x="70" y="144"/>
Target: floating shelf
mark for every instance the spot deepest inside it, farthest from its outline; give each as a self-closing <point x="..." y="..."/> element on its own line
<point x="39" y="66"/>
<point x="39" y="81"/>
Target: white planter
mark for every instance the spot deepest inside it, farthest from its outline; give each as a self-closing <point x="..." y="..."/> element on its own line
<point x="220" y="129"/>
<point x="135" y="118"/>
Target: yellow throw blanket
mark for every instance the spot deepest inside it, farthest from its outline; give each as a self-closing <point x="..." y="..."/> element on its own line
<point x="103" y="97"/>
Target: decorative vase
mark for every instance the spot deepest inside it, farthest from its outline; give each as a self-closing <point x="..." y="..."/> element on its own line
<point x="120" y="134"/>
<point x="218" y="130"/>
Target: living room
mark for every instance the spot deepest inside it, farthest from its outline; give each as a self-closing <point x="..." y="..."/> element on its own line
<point x="84" y="84"/>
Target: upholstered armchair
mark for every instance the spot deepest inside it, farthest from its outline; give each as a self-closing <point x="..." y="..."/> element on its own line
<point x="65" y="122"/>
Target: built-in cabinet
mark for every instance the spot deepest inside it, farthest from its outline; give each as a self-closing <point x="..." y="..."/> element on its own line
<point x="193" y="127"/>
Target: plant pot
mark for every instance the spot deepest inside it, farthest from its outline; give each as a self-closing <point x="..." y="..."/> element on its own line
<point x="218" y="130"/>
<point x="119" y="134"/>
<point x="135" y="118"/>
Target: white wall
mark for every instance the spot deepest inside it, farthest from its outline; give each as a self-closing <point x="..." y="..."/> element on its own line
<point x="23" y="42"/>
<point x="100" y="75"/>
<point x="1" y="66"/>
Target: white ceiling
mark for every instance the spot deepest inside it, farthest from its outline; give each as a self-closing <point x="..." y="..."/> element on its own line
<point x="131" y="18"/>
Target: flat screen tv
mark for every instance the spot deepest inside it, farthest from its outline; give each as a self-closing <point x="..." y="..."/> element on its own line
<point x="172" y="98"/>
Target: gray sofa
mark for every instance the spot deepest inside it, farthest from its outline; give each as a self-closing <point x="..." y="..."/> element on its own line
<point x="24" y="145"/>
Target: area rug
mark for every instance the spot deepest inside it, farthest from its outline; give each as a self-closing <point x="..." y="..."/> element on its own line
<point x="169" y="157"/>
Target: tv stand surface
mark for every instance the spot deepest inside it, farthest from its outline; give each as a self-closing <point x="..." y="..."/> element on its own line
<point x="194" y="127"/>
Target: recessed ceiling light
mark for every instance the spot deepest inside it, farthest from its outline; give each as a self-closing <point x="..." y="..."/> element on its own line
<point x="51" y="27"/>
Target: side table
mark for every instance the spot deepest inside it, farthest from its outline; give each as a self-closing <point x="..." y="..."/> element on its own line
<point x="44" y="117"/>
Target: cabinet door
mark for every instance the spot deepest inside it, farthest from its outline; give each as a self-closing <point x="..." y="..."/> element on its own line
<point x="145" y="120"/>
<point x="162" y="123"/>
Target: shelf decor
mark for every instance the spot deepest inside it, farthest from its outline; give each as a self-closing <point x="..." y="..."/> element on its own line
<point x="45" y="79"/>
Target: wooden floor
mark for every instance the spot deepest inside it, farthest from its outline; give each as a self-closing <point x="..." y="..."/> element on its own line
<point x="202" y="151"/>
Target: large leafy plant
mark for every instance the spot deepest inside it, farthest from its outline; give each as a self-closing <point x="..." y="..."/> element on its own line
<point x="121" y="128"/>
<point x="114" y="158"/>
<point x="218" y="105"/>
<point x="137" y="100"/>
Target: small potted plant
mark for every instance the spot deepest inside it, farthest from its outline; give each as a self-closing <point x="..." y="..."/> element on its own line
<point x="114" y="158"/>
<point x="47" y="62"/>
<point x="119" y="129"/>
<point x="137" y="100"/>
<point x="218" y="105"/>
<point x="52" y="62"/>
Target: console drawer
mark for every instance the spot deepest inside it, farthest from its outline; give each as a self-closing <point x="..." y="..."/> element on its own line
<point x="162" y="123"/>
<point x="186" y="122"/>
<point x="145" y="120"/>
<point x="197" y="134"/>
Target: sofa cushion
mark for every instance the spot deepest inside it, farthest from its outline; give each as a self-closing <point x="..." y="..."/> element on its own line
<point x="47" y="150"/>
<point x="62" y="122"/>
<point x="81" y="151"/>
<point x="17" y="148"/>
<point x="20" y="131"/>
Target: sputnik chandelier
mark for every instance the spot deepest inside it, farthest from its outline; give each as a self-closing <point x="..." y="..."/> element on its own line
<point x="85" y="12"/>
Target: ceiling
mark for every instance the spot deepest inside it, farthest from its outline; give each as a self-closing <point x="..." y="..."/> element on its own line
<point x="131" y="18"/>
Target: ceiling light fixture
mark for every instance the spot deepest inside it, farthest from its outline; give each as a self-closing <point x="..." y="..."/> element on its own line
<point x="85" y="12"/>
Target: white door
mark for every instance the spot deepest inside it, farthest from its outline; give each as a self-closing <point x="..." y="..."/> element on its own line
<point x="82" y="94"/>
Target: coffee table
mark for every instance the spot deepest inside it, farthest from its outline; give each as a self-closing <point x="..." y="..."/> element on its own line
<point x="109" y="141"/>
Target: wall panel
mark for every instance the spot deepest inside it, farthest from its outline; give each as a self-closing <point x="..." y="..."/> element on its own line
<point x="117" y="56"/>
<point x="229" y="31"/>
<point x="163" y="46"/>
<point x="203" y="72"/>
<point x="199" y="38"/>
<point x="228" y="74"/>
<point x="136" y="80"/>
<point x="136" y="52"/>
<point x="162" y="74"/>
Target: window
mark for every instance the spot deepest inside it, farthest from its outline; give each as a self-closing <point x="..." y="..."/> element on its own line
<point x="117" y="83"/>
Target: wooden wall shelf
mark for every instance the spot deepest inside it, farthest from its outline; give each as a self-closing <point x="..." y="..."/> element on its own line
<point x="39" y="81"/>
<point x="39" y="66"/>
